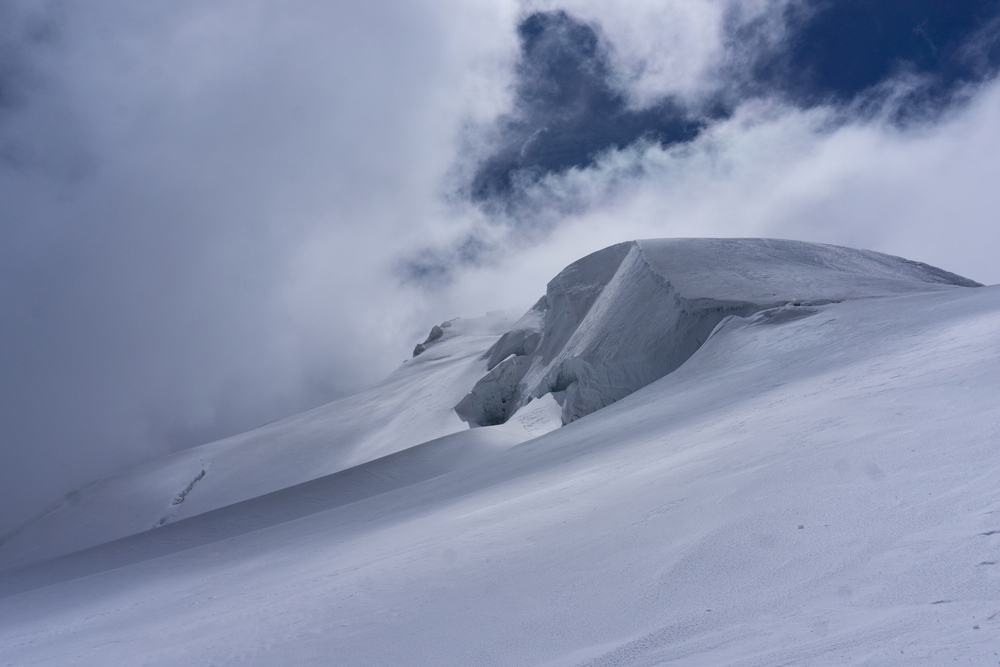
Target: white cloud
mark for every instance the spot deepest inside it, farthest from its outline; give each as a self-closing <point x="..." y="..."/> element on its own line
<point x="204" y="221"/>
<point x="923" y="193"/>
<point x="203" y="203"/>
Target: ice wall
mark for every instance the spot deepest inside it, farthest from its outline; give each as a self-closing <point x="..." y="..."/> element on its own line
<point x="625" y="316"/>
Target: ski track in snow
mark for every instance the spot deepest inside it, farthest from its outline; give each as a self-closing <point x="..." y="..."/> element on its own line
<point x="819" y="490"/>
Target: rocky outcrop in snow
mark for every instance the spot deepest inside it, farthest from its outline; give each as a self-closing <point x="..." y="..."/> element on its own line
<point x="436" y="332"/>
<point x="625" y="316"/>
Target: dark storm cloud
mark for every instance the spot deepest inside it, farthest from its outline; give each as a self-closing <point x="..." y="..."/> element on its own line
<point x="567" y="109"/>
<point x="570" y="106"/>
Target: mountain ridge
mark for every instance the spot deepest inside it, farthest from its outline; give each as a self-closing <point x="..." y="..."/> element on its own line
<point x="815" y="484"/>
<point x="579" y="344"/>
<point x="610" y="323"/>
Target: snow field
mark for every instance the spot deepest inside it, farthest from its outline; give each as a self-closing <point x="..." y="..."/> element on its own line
<point x="816" y="491"/>
<point x="814" y="485"/>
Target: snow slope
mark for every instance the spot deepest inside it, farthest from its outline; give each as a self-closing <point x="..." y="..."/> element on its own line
<point x="410" y="407"/>
<point x="817" y="489"/>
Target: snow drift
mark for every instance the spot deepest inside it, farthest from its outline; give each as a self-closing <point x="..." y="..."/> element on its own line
<point x="625" y="316"/>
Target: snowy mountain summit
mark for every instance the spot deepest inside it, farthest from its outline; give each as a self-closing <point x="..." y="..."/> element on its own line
<point x="608" y="325"/>
<point x="735" y="452"/>
<point x="625" y="316"/>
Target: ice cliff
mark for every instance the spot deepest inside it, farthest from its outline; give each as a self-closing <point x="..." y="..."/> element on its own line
<point x="623" y="317"/>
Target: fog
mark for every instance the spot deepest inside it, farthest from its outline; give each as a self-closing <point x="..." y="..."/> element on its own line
<point x="214" y="214"/>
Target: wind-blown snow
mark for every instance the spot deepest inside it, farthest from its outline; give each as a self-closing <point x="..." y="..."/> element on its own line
<point x="618" y="319"/>
<point x="802" y="490"/>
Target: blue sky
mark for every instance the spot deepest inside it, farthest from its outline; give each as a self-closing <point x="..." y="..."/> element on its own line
<point x="218" y="213"/>
<point x="571" y="105"/>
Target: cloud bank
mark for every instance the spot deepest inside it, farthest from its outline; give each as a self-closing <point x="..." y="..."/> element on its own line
<point x="215" y="214"/>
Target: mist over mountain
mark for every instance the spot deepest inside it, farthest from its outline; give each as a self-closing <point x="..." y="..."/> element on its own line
<point x="218" y="215"/>
<point x="726" y="451"/>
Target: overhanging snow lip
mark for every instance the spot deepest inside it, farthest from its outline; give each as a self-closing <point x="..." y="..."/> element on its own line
<point x="690" y="285"/>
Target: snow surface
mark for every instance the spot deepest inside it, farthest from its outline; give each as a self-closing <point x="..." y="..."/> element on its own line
<point x="815" y="485"/>
<point x="622" y="317"/>
<point x="415" y="404"/>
